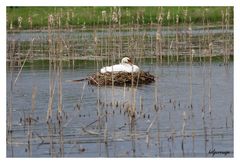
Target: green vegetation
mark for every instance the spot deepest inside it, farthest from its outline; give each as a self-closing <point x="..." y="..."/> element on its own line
<point x="86" y="63"/>
<point x="77" y="17"/>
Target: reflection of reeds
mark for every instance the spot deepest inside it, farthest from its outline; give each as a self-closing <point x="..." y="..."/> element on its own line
<point x="34" y="91"/>
<point x="29" y="136"/>
<point x="184" y="115"/>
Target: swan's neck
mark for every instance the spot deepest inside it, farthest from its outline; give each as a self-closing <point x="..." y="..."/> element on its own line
<point x="127" y="64"/>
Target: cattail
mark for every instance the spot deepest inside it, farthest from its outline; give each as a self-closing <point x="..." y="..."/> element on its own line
<point x="177" y="18"/>
<point x="127" y="12"/>
<point x="95" y="37"/>
<point x="68" y="16"/>
<point x="119" y="13"/>
<point x="84" y="26"/>
<point x="185" y="13"/>
<point x="30" y="21"/>
<point x="20" y="22"/>
<point x="160" y="18"/>
<point x="114" y="17"/>
<point x="168" y="15"/>
<point x="50" y="19"/>
<point x="158" y="36"/>
<point x="104" y="15"/>
<point x="11" y="25"/>
<point x="73" y="14"/>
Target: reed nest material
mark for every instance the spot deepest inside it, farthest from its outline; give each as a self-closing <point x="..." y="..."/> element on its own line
<point x="121" y="78"/>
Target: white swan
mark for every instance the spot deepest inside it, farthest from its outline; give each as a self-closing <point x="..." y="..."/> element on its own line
<point x="125" y="66"/>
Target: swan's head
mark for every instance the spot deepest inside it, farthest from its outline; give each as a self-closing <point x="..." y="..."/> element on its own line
<point x="126" y="60"/>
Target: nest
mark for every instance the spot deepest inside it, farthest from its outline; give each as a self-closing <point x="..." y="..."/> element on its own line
<point x="121" y="78"/>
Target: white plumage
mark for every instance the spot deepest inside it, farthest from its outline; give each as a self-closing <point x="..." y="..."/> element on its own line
<point x="125" y="66"/>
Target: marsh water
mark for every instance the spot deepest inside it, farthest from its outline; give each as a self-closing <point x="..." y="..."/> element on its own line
<point x="186" y="112"/>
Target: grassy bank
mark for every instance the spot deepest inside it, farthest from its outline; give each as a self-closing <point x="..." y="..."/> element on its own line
<point x="77" y="17"/>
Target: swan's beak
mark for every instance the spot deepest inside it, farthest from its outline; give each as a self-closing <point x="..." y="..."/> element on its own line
<point x="130" y="62"/>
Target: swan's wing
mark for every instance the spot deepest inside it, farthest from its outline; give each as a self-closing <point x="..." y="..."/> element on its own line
<point x="120" y="68"/>
<point x="114" y="68"/>
<point x="131" y="68"/>
<point x="135" y="68"/>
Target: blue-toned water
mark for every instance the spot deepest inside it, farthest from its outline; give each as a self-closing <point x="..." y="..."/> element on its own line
<point x="186" y="112"/>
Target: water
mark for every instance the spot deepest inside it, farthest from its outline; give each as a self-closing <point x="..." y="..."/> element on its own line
<point x="116" y="43"/>
<point x="186" y="112"/>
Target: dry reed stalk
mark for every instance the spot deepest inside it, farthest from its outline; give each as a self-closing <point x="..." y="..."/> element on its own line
<point x="106" y="140"/>
<point x="55" y="66"/>
<point x="227" y="37"/>
<point x="159" y="52"/>
<point x="210" y="90"/>
<point x="190" y="63"/>
<point x="209" y="54"/>
<point x="151" y="42"/>
<point x="177" y="37"/>
<point x="59" y="74"/>
<point x="9" y="138"/>
<point x="60" y="88"/>
<point x="184" y="35"/>
<point x="31" y="116"/>
<point x="224" y="27"/>
<point x="157" y="109"/>
<point x="158" y="132"/>
<point x="51" y="67"/>
<point x="29" y="52"/>
<point x="191" y="53"/>
<point x="148" y="131"/>
<point x="209" y="80"/>
<point x="133" y="102"/>
<point x="59" y="56"/>
<point x="51" y="143"/>
<point x="61" y="138"/>
<point x="159" y="44"/>
<point x="133" y="134"/>
<point x="51" y="91"/>
<point x="168" y="38"/>
<point x="204" y="127"/>
<point x="141" y="105"/>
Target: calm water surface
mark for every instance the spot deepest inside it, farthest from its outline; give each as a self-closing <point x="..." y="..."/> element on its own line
<point x="187" y="112"/>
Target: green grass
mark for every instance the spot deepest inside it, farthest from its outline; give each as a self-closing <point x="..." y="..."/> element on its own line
<point x="92" y="16"/>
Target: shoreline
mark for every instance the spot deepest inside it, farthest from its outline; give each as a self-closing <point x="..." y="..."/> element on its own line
<point x="104" y="59"/>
